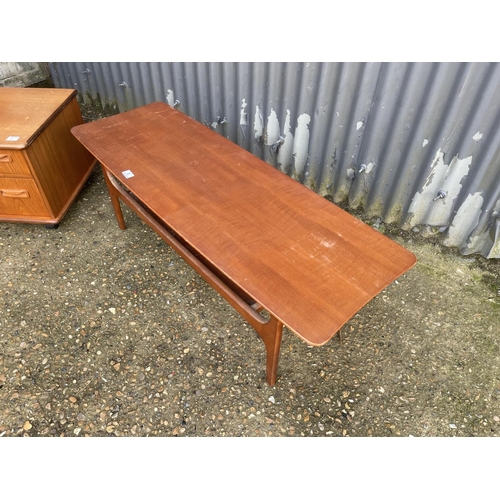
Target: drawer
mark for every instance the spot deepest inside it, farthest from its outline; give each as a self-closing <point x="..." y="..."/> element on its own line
<point x="13" y="162"/>
<point x="21" y="197"/>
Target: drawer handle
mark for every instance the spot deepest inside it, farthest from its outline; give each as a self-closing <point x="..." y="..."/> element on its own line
<point x="5" y="158"/>
<point x="15" y="193"/>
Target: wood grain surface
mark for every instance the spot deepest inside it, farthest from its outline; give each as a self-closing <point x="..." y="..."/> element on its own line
<point x="308" y="262"/>
<point x="25" y="112"/>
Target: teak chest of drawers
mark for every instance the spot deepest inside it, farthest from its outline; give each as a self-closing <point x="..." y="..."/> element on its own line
<point x="42" y="166"/>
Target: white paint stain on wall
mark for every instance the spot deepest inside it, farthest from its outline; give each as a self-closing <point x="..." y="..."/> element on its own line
<point x="479" y="244"/>
<point x="301" y="142"/>
<point x="496" y="210"/>
<point x="442" y="177"/>
<point x="258" y="124"/>
<point x="273" y="129"/>
<point x="425" y="143"/>
<point x="243" y="114"/>
<point x="370" y="167"/>
<point x="477" y="136"/>
<point x="170" y="97"/>
<point x="483" y="243"/>
<point x="359" y="125"/>
<point x="286" y="150"/>
<point x="466" y="219"/>
<point x="494" y="252"/>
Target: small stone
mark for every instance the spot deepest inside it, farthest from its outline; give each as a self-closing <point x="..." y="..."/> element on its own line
<point x="453" y="426"/>
<point x="496" y="419"/>
<point x="77" y="430"/>
<point x="272" y="399"/>
<point x="72" y="399"/>
<point x="186" y="350"/>
<point x="27" y="425"/>
<point x="116" y="366"/>
<point x="112" y="310"/>
<point x="110" y="429"/>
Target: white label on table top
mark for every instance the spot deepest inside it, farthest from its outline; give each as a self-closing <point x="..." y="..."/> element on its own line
<point x="13" y="138"/>
<point x="127" y="174"/>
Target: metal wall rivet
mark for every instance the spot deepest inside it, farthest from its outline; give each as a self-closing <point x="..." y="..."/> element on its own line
<point x="440" y="195"/>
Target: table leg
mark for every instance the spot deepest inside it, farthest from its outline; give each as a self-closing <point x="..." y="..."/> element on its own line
<point x="113" y="193"/>
<point x="271" y="333"/>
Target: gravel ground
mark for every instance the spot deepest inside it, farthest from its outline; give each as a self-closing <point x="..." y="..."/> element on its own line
<point x="106" y="332"/>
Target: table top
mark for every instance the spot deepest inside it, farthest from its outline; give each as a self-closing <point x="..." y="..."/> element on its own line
<point x="305" y="260"/>
<point x="26" y="112"/>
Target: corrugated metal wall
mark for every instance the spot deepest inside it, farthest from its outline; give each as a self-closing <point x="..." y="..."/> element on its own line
<point x="416" y="144"/>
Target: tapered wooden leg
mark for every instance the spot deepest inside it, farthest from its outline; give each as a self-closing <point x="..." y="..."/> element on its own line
<point x="114" y="200"/>
<point x="271" y="333"/>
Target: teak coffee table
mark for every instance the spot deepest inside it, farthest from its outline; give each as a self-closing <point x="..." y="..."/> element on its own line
<point x="260" y="238"/>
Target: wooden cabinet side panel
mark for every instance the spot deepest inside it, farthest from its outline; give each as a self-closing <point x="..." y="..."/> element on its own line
<point x="60" y="163"/>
